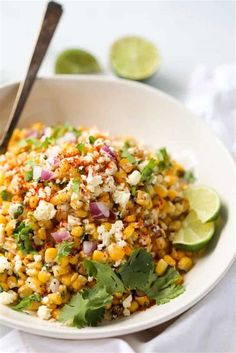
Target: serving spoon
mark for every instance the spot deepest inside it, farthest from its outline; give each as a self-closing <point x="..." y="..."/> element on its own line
<point x="50" y="21"/>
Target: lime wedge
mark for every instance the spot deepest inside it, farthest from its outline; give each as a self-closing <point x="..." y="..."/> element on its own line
<point x="134" y="58"/>
<point x="194" y="234"/>
<point x="204" y="201"/>
<point x="76" y="61"/>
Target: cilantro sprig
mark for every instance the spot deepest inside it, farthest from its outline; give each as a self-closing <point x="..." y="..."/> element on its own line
<point x="189" y="176"/>
<point x="126" y="154"/>
<point x="5" y="195"/>
<point x="148" y="170"/>
<point x="64" y="249"/>
<point x="163" y="159"/>
<point x="23" y="234"/>
<point x="75" y="186"/>
<point x="26" y="302"/>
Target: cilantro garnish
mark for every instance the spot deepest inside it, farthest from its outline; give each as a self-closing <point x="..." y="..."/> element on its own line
<point x="30" y="141"/>
<point x="81" y="148"/>
<point x="148" y="170"/>
<point x="126" y="154"/>
<point x="163" y="158"/>
<point x="29" y="175"/>
<point x="189" y="176"/>
<point x="75" y="185"/>
<point x="31" y="163"/>
<point x="105" y="276"/>
<point x="5" y="195"/>
<point x="86" y="308"/>
<point x="133" y="190"/>
<point x="23" y="234"/>
<point x="48" y="141"/>
<point x="71" y="128"/>
<point x="64" y="249"/>
<point x="27" y="301"/>
<point x="92" y="139"/>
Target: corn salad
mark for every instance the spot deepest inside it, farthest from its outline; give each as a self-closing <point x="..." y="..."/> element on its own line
<point x="68" y="195"/>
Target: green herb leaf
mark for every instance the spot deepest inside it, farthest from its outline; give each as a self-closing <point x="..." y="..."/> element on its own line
<point x="71" y="128"/>
<point x="163" y="158"/>
<point x="148" y="170"/>
<point x="81" y="148"/>
<point x="105" y="276"/>
<point x="48" y="141"/>
<point x="23" y="234"/>
<point x="138" y="271"/>
<point x="29" y="175"/>
<point x="64" y="249"/>
<point x="126" y="154"/>
<point x="30" y="163"/>
<point x="26" y="302"/>
<point x="5" y="195"/>
<point x="165" y="288"/>
<point x="86" y="308"/>
<point x="92" y="139"/>
<point x="133" y="190"/>
<point x="189" y="176"/>
<point x="75" y="186"/>
<point x="18" y="210"/>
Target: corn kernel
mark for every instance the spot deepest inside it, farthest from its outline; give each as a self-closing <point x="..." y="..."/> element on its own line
<point x="3" y="219"/>
<point x="172" y="194"/>
<point x="5" y="207"/>
<point x="81" y="213"/>
<point x="12" y="282"/>
<point x="124" y="163"/>
<point x="185" y="263"/>
<point x="9" y="227"/>
<point x="130" y="218"/>
<point x="55" y="314"/>
<point x="170" y="261"/>
<point x="128" y="250"/>
<point x="161" y="267"/>
<point x="73" y="260"/>
<point x="116" y="252"/>
<point x="43" y="276"/>
<point x="24" y="291"/>
<point x="79" y="283"/>
<point x="143" y="301"/>
<point x="66" y="280"/>
<point x="161" y="243"/>
<point x="55" y="298"/>
<point x="64" y="261"/>
<point x="161" y="190"/>
<point x="170" y="179"/>
<point x="42" y="234"/>
<point x="100" y="256"/>
<point x="134" y="306"/>
<point x="128" y="232"/>
<point x="50" y="254"/>
<point x="144" y="199"/>
<point x="33" y="201"/>
<point x="77" y="231"/>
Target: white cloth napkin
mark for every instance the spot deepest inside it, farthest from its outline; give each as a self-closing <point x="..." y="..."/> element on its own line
<point x="210" y="326"/>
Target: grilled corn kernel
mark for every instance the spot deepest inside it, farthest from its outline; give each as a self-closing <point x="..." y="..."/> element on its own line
<point x="168" y="208"/>
<point x="100" y="256"/>
<point x="50" y="254"/>
<point x="55" y="314"/>
<point x="143" y="301"/>
<point x="170" y="261"/>
<point x="161" y="243"/>
<point x="42" y="234"/>
<point x="73" y="260"/>
<point x="124" y="163"/>
<point x="161" y="267"/>
<point x="185" y="263"/>
<point x="128" y="232"/>
<point x="144" y="199"/>
<point x="3" y="219"/>
<point x="77" y="231"/>
<point x="161" y="190"/>
<point x="64" y="261"/>
<point x="81" y="213"/>
<point x="170" y="179"/>
<point x="79" y="283"/>
<point x="33" y="201"/>
<point x="172" y="194"/>
<point x="175" y="225"/>
<point x="66" y="279"/>
<point x="55" y="298"/>
<point x="9" y="227"/>
<point x="116" y="252"/>
<point x="24" y="291"/>
<point x="128" y="250"/>
<point x="177" y="254"/>
<point x="130" y="218"/>
<point x="134" y="306"/>
<point x="12" y="282"/>
<point x="5" y="207"/>
<point x="43" y="276"/>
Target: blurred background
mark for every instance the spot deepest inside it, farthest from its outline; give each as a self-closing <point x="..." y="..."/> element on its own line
<point x="188" y="34"/>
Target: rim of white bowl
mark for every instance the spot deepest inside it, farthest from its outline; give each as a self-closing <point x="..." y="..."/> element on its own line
<point x="50" y="329"/>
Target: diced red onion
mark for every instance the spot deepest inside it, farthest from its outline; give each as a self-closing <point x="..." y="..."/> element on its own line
<point x="100" y="211"/>
<point x="61" y="235"/>
<point x="89" y="247"/>
<point x="53" y="161"/>
<point x="54" y="285"/>
<point x="109" y="152"/>
<point x="46" y="175"/>
<point x="32" y="133"/>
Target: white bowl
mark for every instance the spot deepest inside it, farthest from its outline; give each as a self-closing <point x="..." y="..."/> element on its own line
<point x="124" y="107"/>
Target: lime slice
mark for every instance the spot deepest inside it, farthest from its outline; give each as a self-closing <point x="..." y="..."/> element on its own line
<point x="194" y="234"/>
<point x="134" y="58"/>
<point x="76" y="61"/>
<point x="204" y="201"/>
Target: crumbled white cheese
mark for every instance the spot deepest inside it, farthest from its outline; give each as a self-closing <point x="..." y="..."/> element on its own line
<point x="116" y="230"/>
<point x="90" y="278"/>
<point x="126" y="312"/>
<point x="5" y="265"/>
<point x="13" y="209"/>
<point x="93" y="180"/>
<point x="18" y="263"/>
<point x="73" y="221"/>
<point x="134" y="177"/>
<point x="45" y="300"/>
<point x="37" y="258"/>
<point x="88" y="158"/>
<point x="8" y="297"/>
<point x="45" y="211"/>
<point x="31" y="284"/>
<point x="68" y="137"/>
<point x="104" y="236"/>
<point x="109" y="184"/>
<point x="111" y="169"/>
<point x="41" y="193"/>
<point x="47" y="190"/>
<point x="127" y="302"/>
<point x="44" y="312"/>
<point x="121" y="197"/>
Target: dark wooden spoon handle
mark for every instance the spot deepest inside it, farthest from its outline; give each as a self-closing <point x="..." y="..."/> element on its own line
<point x="49" y="24"/>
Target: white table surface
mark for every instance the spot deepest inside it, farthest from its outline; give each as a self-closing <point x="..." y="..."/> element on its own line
<point x="188" y="34"/>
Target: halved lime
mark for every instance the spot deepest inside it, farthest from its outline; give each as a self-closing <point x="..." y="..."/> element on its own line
<point x="76" y="61"/>
<point x="194" y="234"/>
<point x="134" y="58"/>
<point x="204" y="201"/>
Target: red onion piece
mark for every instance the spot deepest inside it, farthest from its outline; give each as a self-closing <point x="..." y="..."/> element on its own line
<point x="89" y="247"/>
<point x="61" y="235"/>
<point x="53" y="161"/>
<point x="109" y="152"/>
<point x="32" y="133"/>
<point x="100" y="211"/>
<point x="54" y="285"/>
<point x="46" y="175"/>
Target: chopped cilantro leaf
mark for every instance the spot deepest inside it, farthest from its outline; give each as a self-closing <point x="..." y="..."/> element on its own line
<point x="27" y="301"/>
<point x="71" y="128"/>
<point x="163" y="158"/>
<point x="5" y="195"/>
<point x="23" y="234"/>
<point x="105" y="276"/>
<point x="189" y="176"/>
<point x="48" y="141"/>
<point x="86" y="308"/>
<point x="64" y="249"/>
<point x="92" y="139"/>
<point x="75" y="185"/>
<point x="126" y="154"/>
<point x="30" y="141"/>
<point x="31" y="163"/>
<point x="133" y="190"/>
<point x="29" y="175"/>
<point x="81" y="148"/>
<point x="148" y="170"/>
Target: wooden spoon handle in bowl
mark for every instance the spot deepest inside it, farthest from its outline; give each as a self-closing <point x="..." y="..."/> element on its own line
<point x="48" y="27"/>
